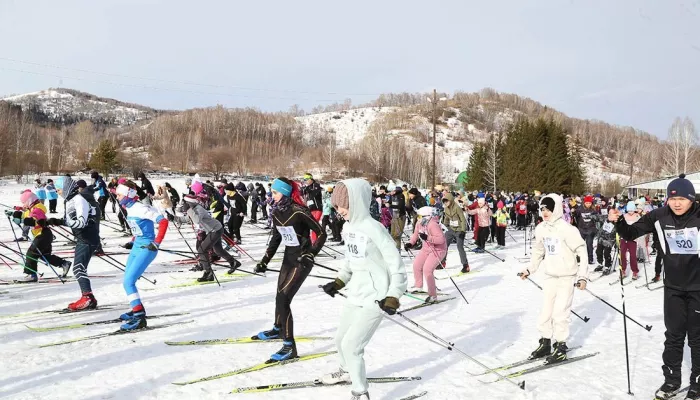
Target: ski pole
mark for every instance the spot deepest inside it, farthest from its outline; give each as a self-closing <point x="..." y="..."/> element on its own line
<point x="330" y="248"/>
<point x="315" y="276"/>
<point x="584" y="319"/>
<point x="323" y="266"/>
<point x="624" y="321"/>
<point x="64" y="236"/>
<point x="329" y="255"/>
<point x="116" y="264"/>
<point x="486" y="251"/>
<point x="647" y="327"/>
<point x="448" y="274"/>
<point x="511" y="236"/>
<point x="47" y="263"/>
<point x="15" y="235"/>
<point x="195" y="254"/>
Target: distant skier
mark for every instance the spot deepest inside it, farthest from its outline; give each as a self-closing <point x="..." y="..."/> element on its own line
<point x="100" y="188"/>
<point x="431" y="254"/>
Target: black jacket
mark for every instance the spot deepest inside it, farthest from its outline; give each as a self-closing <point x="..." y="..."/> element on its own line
<point x="398" y="204"/>
<point x="312" y="195"/>
<point x="682" y="270"/>
<point x="238" y="204"/>
<point x="418" y="202"/>
<point x="303" y="223"/>
<point x="147" y="187"/>
<point x="586" y="219"/>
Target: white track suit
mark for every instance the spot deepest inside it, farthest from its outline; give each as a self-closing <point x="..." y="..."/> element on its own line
<point x="373" y="270"/>
<point x="556" y="246"/>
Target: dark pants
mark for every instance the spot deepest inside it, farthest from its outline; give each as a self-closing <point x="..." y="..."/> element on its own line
<point x="522" y="220"/>
<point x="588" y="237"/>
<point x="334" y="223"/>
<point x="501" y="235"/>
<point x="40" y="250"/>
<point x="122" y="218"/>
<point x="263" y="207"/>
<point x="681" y="318"/>
<point x="659" y="257"/>
<point x="493" y="228"/>
<point x="83" y="254"/>
<point x="234" y="226"/>
<point x="603" y="251"/>
<point x="339" y="227"/>
<point x="254" y="212"/>
<point x="102" y="202"/>
<point x="482" y="236"/>
<point x="212" y="242"/>
<point x="288" y="283"/>
<point x="450" y="236"/>
<point x="52" y="205"/>
<point x="325" y="222"/>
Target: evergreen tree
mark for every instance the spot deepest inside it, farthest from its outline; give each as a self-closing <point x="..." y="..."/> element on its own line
<point x="578" y="177"/>
<point x="104" y="159"/>
<point x="475" y="169"/>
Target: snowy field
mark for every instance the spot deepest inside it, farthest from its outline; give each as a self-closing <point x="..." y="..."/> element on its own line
<point x="497" y="327"/>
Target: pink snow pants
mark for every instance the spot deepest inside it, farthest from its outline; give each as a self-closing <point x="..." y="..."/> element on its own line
<point x="424" y="265"/>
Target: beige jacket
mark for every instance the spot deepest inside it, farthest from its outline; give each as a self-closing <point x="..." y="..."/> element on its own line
<point x="483" y="214"/>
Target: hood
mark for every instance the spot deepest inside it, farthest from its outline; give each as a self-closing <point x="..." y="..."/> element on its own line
<point x="359" y="194"/>
<point x="449" y="197"/>
<point x="558" y="207"/>
<point x="67" y="186"/>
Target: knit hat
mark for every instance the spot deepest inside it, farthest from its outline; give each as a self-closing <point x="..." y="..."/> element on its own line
<point x="81" y="183"/>
<point x="230" y="187"/>
<point x="681" y="187"/>
<point x="197" y="187"/>
<point x="27" y="198"/>
<point x="480" y="195"/>
<point x="630" y="207"/>
<point x="548" y="203"/>
<point x="500" y="204"/>
<point x="340" y="197"/>
<point x="414" y="192"/>
<point x="588" y="199"/>
<point x="425" y="211"/>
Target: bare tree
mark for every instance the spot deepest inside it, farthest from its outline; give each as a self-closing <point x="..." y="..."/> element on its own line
<point x="217" y="160"/>
<point x="330" y="151"/>
<point x="682" y="138"/>
<point x="491" y="164"/>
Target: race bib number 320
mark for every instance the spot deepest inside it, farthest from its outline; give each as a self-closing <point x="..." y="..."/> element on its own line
<point x="289" y="236"/>
<point x="682" y="241"/>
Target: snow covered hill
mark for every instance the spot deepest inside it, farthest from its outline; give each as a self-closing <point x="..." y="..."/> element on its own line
<point x="68" y="106"/>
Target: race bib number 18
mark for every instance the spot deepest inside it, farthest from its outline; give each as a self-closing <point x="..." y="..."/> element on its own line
<point x="551" y="245"/>
<point x="289" y="236"/>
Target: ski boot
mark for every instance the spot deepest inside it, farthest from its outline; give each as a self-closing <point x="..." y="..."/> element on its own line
<point x="273" y="333"/>
<point x="656" y="278"/>
<point x="334" y="378"/>
<point x="606" y="271"/>
<point x="693" y="392"/>
<point x="465" y="268"/>
<point x="130" y="314"/>
<point x="415" y="289"/>
<point x="29" y="278"/>
<point x="22" y="239"/>
<point x="234" y="267"/>
<point x="668" y="390"/>
<point x="66" y="267"/>
<point x="359" y="396"/>
<point x="287" y="352"/>
<point x="543" y="350"/>
<point x="559" y="353"/>
<point x="431" y="300"/>
<point x="598" y="268"/>
<point x="635" y="276"/>
<point x="197" y="268"/>
<point x="207" y="277"/>
<point x="86" y="302"/>
<point x="137" y="321"/>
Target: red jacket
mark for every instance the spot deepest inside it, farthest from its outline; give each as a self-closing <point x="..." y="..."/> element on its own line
<point x="521" y="207"/>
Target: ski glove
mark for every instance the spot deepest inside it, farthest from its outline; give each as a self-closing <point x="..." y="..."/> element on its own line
<point x="128" y="245"/>
<point x="389" y="305"/>
<point x="261" y="268"/>
<point x="9" y="212"/>
<point x="423" y="236"/>
<point x="55" y="221"/>
<point x="407" y="246"/>
<point x="171" y="217"/>
<point x="151" y="246"/>
<point x="306" y="260"/>
<point x="331" y="288"/>
<point x="29" y="221"/>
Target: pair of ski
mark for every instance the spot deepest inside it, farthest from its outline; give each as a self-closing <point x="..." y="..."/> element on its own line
<point x="318" y="383"/>
<point x="422" y="305"/>
<point x="102" y="322"/>
<point x="476" y="271"/>
<point x="539" y="367"/>
<point x="59" y="311"/>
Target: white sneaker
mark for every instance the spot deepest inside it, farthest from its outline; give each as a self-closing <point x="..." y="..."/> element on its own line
<point x="336" y="377"/>
<point x="415" y="289"/>
<point x="66" y="267"/>
<point x="28" y="278"/>
<point x="431" y="299"/>
<point x="361" y="396"/>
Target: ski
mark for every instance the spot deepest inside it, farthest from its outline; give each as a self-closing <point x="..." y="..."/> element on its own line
<point x="113" y="333"/>
<point x="257" y="367"/>
<point x="316" y="383"/>
<point x="626" y="281"/>
<point x="600" y="276"/>
<point x="423" y="292"/>
<point x="674" y="395"/>
<point x="459" y="274"/>
<point x="517" y="364"/>
<point x="103" y="322"/>
<point x="650" y="285"/>
<point x="195" y="283"/>
<point x="414" y="396"/>
<point x="59" y="311"/>
<point x="243" y="340"/>
<point x="541" y="367"/>
<point x="427" y="304"/>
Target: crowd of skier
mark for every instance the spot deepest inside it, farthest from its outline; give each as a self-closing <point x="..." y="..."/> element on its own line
<point x="572" y="236"/>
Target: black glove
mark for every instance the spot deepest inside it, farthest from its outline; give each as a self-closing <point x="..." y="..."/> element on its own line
<point x="307" y="260"/>
<point x="389" y="305"/>
<point x="9" y="212"/>
<point x="423" y="236"/>
<point x="151" y="246"/>
<point x="331" y="288"/>
<point x="171" y="217"/>
<point x="407" y="246"/>
<point x="201" y="235"/>
<point x="261" y="268"/>
<point x="55" y="221"/>
<point x="29" y="221"/>
<point x="128" y="245"/>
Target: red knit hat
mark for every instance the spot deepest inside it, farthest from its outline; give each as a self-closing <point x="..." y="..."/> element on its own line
<point x="588" y="199"/>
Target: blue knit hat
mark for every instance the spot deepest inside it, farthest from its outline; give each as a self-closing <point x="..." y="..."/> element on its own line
<point x="681" y="187"/>
<point x="480" y="195"/>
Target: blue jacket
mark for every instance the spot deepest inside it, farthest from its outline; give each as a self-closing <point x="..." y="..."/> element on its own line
<point x="51" y="192"/>
<point x="40" y="192"/>
<point x="100" y="186"/>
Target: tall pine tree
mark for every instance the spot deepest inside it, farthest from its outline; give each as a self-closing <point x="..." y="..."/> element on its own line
<point x="475" y="169"/>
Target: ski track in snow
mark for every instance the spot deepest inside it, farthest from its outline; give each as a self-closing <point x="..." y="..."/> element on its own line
<point x="497" y="327"/>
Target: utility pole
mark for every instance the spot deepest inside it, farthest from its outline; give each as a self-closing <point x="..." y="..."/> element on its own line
<point x="434" y="102"/>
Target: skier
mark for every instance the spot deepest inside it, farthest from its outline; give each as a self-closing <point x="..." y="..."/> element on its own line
<point x="147" y="187"/>
<point x="254" y="200"/>
<point x="262" y="197"/>
<point x="312" y="194"/>
<point x="556" y="246"/>
<point x="327" y="207"/>
<point x="483" y="219"/>
<point x="586" y="217"/>
<point x="677" y="224"/>
<point x="40" y="190"/>
<point x="502" y="218"/>
<point x="606" y="241"/>
<point x="398" y="215"/>
<point x="111" y="189"/>
<point x="453" y="218"/>
<point x="51" y="195"/>
<point x="236" y="213"/>
<point x="174" y="196"/>
<point x="29" y="202"/>
<point x="40" y="249"/>
<point x="100" y="187"/>
<point x="209" y="233"/>
<point x="630" y="246"/>
<point x="142" y="219"/>
<point x="162" y="200"/>
<point x="82" y="215"/>
<point x="293" y="224"/>
<point x="374" y="273"/>
<point x="431" y="254"/>
<point x="417" y="202"/>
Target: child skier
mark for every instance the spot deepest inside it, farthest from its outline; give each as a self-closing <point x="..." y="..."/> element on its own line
<point x="606" y="241"/>
<point x="502" y="217"/>
<point x="40" y="249"/>
<point x="40" y="190"/>
<point x="557" y="244"/>
<point x="430" y="256"/>
<point x="51" y="195"/>
<point x="373" y="273"/>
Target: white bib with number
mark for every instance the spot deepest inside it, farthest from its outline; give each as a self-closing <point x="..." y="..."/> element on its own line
<point x="454" y="223"/>
<point x="522" y="207"/>
<point x="608" y="227"/>
<point x="551" y="244"/>
<point x="356" y="245"/>
<point x="289" y="236"/>
<point x="135" y="228"/>
<point x="682" y="241"/>
<point x="604" y="211"/>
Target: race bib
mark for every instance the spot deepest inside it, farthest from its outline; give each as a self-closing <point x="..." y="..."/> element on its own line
<point x="522" y="207"/>
<point x="604" y="211"/>
<point x="608" y="227"/>
<point x="394" y="203"/>
<point x="135" y="228"/>
<point x="289" y="236"/>
<point x="552" y="245"/>
<point x="490" y="204"/>
<point x="356" y="245"/>
<point x="682" y="241"/>
<point x="586" y="217"/>
<point x="454" y="224"/>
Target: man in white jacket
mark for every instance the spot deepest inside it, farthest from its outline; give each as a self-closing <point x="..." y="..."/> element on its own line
<point x="556" y="247"/>
<point x="373" y="274"/>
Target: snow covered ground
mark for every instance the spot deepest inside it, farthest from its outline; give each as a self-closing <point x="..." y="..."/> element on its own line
<point x="497" y="327"/>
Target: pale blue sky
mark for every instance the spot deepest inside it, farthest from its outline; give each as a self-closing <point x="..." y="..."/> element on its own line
<point x="628" y="62"/>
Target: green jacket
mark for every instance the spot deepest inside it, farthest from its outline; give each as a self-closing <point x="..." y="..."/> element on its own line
<point x="453" y="217"/>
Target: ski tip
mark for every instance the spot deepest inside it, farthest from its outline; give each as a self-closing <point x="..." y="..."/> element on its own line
<point x="521" y="385"/>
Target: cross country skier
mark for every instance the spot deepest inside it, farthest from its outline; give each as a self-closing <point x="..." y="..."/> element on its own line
<point x="453" y="218"/>
<point x="557" y="244"/>
<point x="82" y="215"/>
<point x="100" y="187"/>
<point x="238" y="210"/>
<point x="398" y="215"/>
<point x="147" y="187"/>
<point x="262" y="197"/>
<point x="142" y="220"/>
<point x="40" y="249"/>
<point x="51" y="195"/>
<point x="312" y="194"/>
<point x="174" y="196"/>
<point x="431" y="254"/>
<point x="209" y="233"/>
<point x="40" y="190"/>
<point x="372" y="273"/>
<point x="677" y="225"/>
<point x="293" y="225"/>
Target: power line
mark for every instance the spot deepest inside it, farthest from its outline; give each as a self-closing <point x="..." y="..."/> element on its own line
<point x="183" y="82"/>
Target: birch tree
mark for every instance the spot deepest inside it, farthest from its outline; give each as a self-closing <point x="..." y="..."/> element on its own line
<point x="682" y="138"/>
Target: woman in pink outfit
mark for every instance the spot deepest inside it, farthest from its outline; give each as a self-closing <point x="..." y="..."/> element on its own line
<point x="433" y="251"/>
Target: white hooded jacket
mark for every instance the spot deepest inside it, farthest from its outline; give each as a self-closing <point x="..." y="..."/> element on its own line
<point x="373" y="267"/>
<point x="556" y="246"/>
